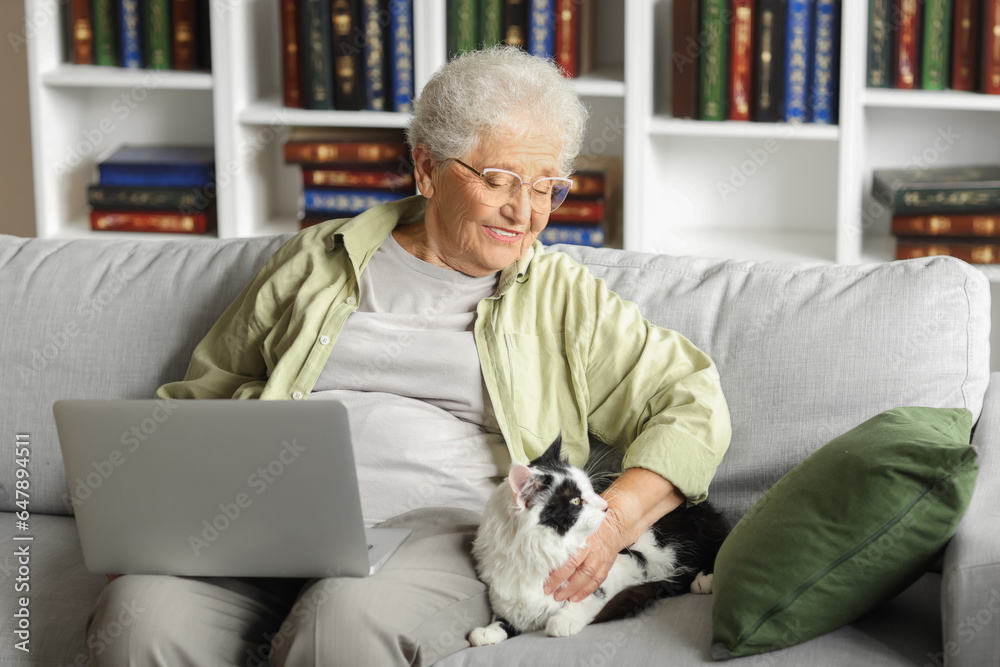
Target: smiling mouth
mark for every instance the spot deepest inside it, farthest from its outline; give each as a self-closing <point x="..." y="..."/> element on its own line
<point x="503" y="234"/>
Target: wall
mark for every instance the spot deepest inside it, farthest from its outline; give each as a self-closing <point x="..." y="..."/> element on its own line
<point x="17" y="204"/>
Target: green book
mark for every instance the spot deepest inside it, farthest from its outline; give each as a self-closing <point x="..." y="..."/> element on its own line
<point x="712" y="66"/>
<point x="463" y="26"/>
<point x="491" y="22"/>
<point x="157" y="34"/>
<point x="937" y="44"/>
<point x="879" y="44"/>
<point x="105" y="52"/>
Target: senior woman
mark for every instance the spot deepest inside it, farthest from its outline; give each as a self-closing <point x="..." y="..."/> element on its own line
<point x="457" y="344"/>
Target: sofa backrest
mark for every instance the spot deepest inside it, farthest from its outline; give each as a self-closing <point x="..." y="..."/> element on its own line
<point x="805" y="351"/>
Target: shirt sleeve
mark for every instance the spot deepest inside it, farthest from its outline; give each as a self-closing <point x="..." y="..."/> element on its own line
<point x="655" y="396"/>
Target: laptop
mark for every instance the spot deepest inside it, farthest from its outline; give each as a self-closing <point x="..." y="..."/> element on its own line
<point x="217" y="487"/>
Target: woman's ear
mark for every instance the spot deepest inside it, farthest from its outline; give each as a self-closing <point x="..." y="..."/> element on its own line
<point x="423" y="170"/>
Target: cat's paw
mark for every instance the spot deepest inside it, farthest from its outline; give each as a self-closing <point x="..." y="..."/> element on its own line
<point x="702" y="584"/>
<point x="491" y="634"/>
<point x="564" y="625"/>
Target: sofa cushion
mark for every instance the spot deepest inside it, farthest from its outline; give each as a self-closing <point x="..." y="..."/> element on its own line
<point x="855" y="523"/>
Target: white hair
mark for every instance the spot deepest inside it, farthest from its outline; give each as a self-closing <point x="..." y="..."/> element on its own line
<point x="498" y="93"/>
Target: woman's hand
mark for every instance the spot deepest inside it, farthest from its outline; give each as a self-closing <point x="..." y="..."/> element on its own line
<point x="588" y="569"/>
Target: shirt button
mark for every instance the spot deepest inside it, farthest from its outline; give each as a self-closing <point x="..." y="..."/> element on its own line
<point x="324" y="340"/>
<point x="297" y="395"/>
<point x="351" y="301"/>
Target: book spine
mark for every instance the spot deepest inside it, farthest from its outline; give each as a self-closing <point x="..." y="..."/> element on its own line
<point x="906" y="74"/>
<point x="769" y="59"/>
<point x="515" y="20"/>
<point x="105" y="47"/>
<point x="932" y="200"/>
<point x="184" y="45"/>
<point x="162" y="199"/>
<point x="180" y="176"/>
<point x="567" y="33"/>
<point x="579" y="210"/>
<point x="290" y="85"/>
<point x="542" y="28"/>
<point x="712" y="64"/>
<point x="684" y="59"/>
<point x="879" y="44"/>
<point x="357" y="179"/>
<point x="587" y="185"/>
<point x="991" y="48"/>
<point x="797" y="67"/>
<point x="83" y="32"/>
<point x="343" y="152"/>
<point x="936" y="44"/>
<point x="203" y="35"/>
<point x="586" y="36"/>
<point x="463" y="26"/>
<point x="973" y="253"/>
<point x="156" y="33"/>
<point x="401" y="48"/>
<point x="348" y="36"/>
<point x="317" y="75"/>
<point x="586" y="235"/>
<point x="823" y="90"/>
<point x="490" y="22"/>
<point x="986" y="225"/>
<point x="131" y="39"/>
<point x="965" y="45"/>
<point x="740" y="82"/>
<point x="140" y="221"/>
<point x="372" y="13"/>
<point x="346" y="201"/>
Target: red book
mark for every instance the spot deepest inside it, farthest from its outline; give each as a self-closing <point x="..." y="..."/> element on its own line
<point x="907" y="43"/>
<point x="991" y="48"/>
<point x="965" y="44"/>
<point x="149" y="221"/>
<point x="579" y="210"/>
<point x="184" y="34"/>
<point x="83" y="33"/>
<point x="356" y="178"/>
<point x="290" y="54"/>
<point x="587" y="185"/>
<point x="567" y="29"/>
<point x="347" y="152"/>
<point x="740" y="84"/>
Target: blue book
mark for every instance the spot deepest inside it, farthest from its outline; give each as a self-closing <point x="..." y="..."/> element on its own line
<point x="825" y="59"/>
<point x="542" y="28"/>
<point x="401" y="48"/>
<point x="131" y="44"/>
<point x="346" y="201"/>
<point x="798" y="50"/>
<point x="372" y="19"/>
<point x="589" y="235"/>
<point x="163" y="166"/>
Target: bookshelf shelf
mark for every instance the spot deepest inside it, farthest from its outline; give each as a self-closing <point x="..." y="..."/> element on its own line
<point x="761" y="244"/>
<point x="667" y="126"/>
<point x="930" y="99"/>
<point x="604" y="82"/>
<point x="271" y="110"/>
<point x="94" y="76"/>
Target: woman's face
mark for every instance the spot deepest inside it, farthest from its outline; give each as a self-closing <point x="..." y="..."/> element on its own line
<point x="470" y="236"/>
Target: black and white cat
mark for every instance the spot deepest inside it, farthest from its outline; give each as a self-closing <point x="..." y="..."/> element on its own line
<point x="541" y="517"/>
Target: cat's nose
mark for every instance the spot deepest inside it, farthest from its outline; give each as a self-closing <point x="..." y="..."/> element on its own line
<point x="602" y="503"/>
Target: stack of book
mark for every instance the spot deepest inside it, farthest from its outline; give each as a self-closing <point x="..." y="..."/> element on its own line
<point x="947" y="211"/>
<point x="151" y="34"/>
<point x="155" y="189"/>
<point x="559" y="29"/>
<point x="761" y="60"/>
<point x="348" y="55"/>
<point x="588" y="216"/>
<point x="346" y="172"/>
<point x="934" y="44"/>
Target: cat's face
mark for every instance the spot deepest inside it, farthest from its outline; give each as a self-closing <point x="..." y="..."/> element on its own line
<point x="557" y="495"/>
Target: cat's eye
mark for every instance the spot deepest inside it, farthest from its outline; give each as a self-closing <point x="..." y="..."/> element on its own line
<point x="575" y="501"/>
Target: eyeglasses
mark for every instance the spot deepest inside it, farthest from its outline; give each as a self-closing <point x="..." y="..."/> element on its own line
<point x="501" y="186"/>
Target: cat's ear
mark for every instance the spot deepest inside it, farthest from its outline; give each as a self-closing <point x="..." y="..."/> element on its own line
<point x="522" y="483"/>
<point x="552" y="455"/>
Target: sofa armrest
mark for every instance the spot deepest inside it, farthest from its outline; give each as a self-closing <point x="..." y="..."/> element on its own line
<point x="970" y="585"/>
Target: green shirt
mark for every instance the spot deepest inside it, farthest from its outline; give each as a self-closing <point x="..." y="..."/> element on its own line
<point x="559" y="352"/>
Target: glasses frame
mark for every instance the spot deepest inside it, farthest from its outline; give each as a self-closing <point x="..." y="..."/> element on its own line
<point x="531" y="184"/>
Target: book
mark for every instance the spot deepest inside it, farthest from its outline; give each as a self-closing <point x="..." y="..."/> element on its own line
<point x="290" y="87"/>
<point x="348" y="65"/>
<point x="712" y="65"/>
<point x="936" y="44"/>
<point x="826" y="41"/>
<point x="346" y="202"/>
<point x="587" y="235"/>
<point x="579" y="210"/>
<point x="131" y="40"/>
<point x="463" y="24"/>
<point x="684" y="59"/>
<point x="401" y="50"/>
<point x="971" y="251"/>
<point x="938" y="190"/>
<point x="156" y="33"/>
<point x="81" y="21"/>
<point x="880" y="32"/>
<point x="376" y="93"/>
<point x="907" y="16"/>
<point x="542" y="28"/>
<point x="798" y="68"/>
<point x="150" y="221"/>
<point x="188" y="200"/>
<point x="203" y="35"/>
<point x="105" y="32"/>
<point x="990" y="65"/>
<point x="185" y="45"/>
<point x="586" y="36"/>
<point x="965" y="45"/>
<point x="515" y="23"/>
<point x="985" y="224"/>
<point x="567" y="33"/>
<point x="174" y="166"/>
<point x="358" y="179"/>
<point x="741" y="60"/>
<point x="769" y="62"/>
<point x="321" y="145"/>
<point x="490" y="22"/>
<point x="317" y="56"/>
<point x="588" y="184"/>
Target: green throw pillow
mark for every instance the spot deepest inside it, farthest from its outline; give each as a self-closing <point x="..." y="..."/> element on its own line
<point x="851" y="526"/>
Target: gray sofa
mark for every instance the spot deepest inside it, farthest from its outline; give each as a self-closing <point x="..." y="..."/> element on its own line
<point x="806" y="352"/>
